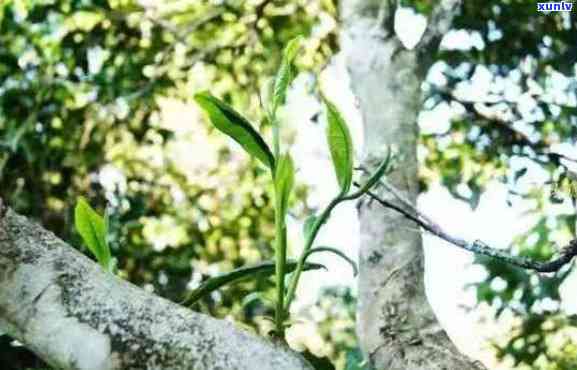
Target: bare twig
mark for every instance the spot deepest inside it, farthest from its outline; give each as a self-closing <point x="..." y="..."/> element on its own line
<point x="397" y="194"/>
<point x="477" y="246"/>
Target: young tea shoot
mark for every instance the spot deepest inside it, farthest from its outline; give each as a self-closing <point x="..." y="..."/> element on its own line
<point x="93" y="228"/>
<point x="282" y="171"/>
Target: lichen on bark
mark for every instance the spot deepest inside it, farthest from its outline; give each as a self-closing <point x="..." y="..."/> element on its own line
<point x="74" y="315"/>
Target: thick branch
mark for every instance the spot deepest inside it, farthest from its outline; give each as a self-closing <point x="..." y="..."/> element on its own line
<point x="477" y="246"/>
<point x="72" y="314"/>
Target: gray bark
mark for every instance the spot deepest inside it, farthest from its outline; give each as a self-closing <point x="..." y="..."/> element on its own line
<point x="73" y="315"/>
<point x="396" y="326"/>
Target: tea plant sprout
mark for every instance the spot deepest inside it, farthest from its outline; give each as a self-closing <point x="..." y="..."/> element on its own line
<point x="98" y="234"/>
<point x="93" y="228"/>
<point x="282" y="170"/>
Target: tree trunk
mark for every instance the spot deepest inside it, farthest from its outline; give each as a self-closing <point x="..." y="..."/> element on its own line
<point x="396" y="326"/>
<point x="73" y="315"/>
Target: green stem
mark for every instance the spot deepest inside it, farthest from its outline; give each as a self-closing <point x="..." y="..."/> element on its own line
<point x="280" y="265"/>
<point x="308" y="244"/>
<point x="280" y="240"/>
<point x="310" y="241"/>
<point x="275" y="135"/>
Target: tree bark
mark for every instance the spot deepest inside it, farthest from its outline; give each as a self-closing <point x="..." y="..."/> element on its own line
<point x="73" y="315"/>
<point x="396" y="326"/>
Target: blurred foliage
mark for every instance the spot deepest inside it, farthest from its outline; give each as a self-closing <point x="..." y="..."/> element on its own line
<point x="508" y="78"/>
<point x="95" y="101"/>
<point x="326" y="329"/>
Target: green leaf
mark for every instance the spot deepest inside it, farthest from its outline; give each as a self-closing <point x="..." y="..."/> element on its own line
<point x="92" y="228"/>
<point x="284" y="182"/>
<point x="340" y="145"/>
<point x="377" y="175"/>
<point x="286" y="73"/>
<point x="308" y="225"/>
<point x="338" y="253"/>
<point x="230" y="122"/>
<point x="17" y="134"/>
<point x="254" y="297"/>
<point x="262" y="269"/>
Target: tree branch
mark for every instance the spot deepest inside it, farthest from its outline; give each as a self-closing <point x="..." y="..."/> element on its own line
<point x="540" y="147"/>
<point x="73" y="315"/>
<point x="476" y="246"/>
<point x="439" y="24"/>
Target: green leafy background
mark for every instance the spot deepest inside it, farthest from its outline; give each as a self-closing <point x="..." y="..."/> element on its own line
<point x="95" y="100"/>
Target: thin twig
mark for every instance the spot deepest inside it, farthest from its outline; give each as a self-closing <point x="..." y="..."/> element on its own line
<point x="479" y="247"/>
<point x="400" y="197"/>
